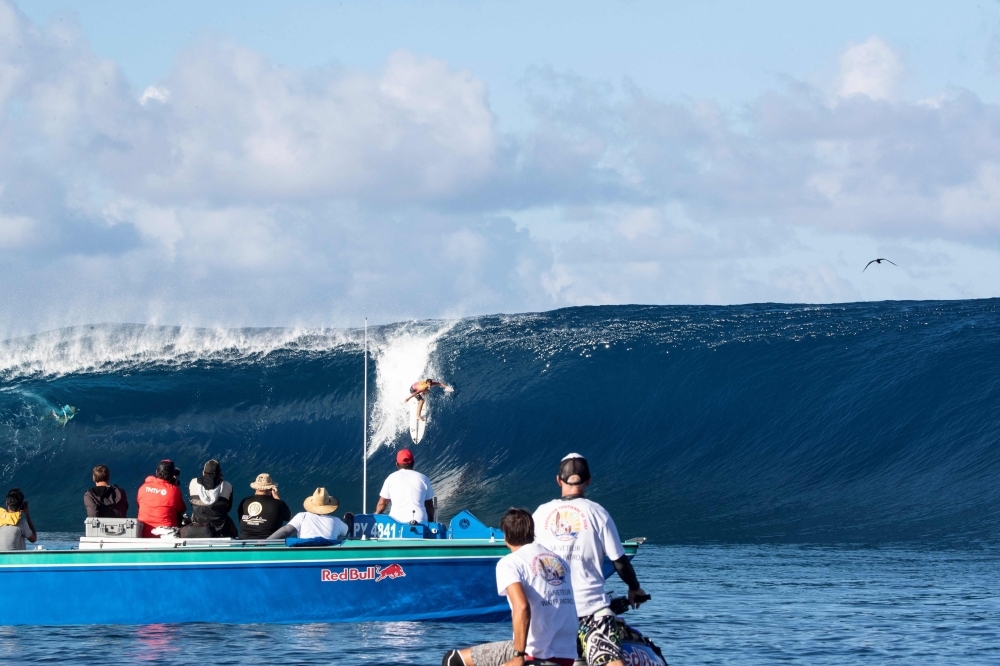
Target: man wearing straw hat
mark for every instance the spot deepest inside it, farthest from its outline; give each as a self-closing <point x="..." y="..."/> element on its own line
<point x="317" y="521"/>
<point x="264" y="512"/>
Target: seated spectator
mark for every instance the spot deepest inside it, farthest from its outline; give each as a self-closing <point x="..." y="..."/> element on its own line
<point x="264" y="512"/>
<point x="160" y="501"/>
<point x="15" y="522"/>
<point x="211" y="502"/>
<point x="316" y="521"/>
<point x="406" y="494"/>
<point x="105" y="500"/>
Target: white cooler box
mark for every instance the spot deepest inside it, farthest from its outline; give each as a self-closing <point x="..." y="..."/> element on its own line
<point x="113" y="527"/>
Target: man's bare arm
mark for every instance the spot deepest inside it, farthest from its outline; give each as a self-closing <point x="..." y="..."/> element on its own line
<point x="520" y="615"/>
<point x="382" y="506"/>
<point x="429" y="505"/>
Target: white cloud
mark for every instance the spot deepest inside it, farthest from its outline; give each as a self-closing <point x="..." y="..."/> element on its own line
<point x="236" y="127"/>
<point x="238" y="191"/>
<point x="15" y="231"/>
<point x="154" y="94"/>
<point x="871" y="68"/>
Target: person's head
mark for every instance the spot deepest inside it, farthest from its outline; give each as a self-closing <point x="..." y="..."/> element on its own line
<point x="212" y="468"/>
<point x="166" y="470"/>
<point x="15" y="499"/>
<point x="574" y="474"/>
<point x="264" y="485"/>
<point x="101" y="474"/>
<point x="404" y="459"/>
<point x="518" y="528"/>
<point x="321" y="503"/>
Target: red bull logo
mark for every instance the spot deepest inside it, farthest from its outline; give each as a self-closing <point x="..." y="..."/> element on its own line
<point x="391" y="571"/>
<point x="375" y="573"/>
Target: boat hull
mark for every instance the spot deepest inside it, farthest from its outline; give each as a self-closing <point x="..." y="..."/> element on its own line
<point x="359" y="581"/>
<point x="336" y="584"/>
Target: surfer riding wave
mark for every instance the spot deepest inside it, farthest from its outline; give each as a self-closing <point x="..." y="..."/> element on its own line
<point x="419" y="389"/>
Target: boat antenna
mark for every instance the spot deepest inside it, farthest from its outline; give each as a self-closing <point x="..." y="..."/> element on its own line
<point x="364" y="434"/>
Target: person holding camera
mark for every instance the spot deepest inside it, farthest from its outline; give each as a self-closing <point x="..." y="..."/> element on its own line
<point x="264" y="512"/>
<point x="160" y="501"/>
<point x="15" y="522"/>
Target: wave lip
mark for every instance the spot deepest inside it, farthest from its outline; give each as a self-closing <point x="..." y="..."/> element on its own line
<point x="121" y="347"/>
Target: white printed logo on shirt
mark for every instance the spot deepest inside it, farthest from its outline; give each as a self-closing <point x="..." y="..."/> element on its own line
<point x="566" y="523"/>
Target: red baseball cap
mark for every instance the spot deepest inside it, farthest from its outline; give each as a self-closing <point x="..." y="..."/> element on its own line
<point x="404" y="457"/>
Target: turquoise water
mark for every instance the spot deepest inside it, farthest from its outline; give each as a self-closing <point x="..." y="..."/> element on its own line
<point x="732" y="604"/>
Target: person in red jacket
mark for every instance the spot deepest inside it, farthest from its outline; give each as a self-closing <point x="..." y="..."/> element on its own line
<point x="160" y="501"/>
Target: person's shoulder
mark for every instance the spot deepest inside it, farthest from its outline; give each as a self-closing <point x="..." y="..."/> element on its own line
<point x="596" y="508"/>
<point x="509" y="561"/>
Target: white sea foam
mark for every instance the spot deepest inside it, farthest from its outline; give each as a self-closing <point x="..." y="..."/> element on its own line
<point x="117" y="348"/>
<point x="403" y="356"/>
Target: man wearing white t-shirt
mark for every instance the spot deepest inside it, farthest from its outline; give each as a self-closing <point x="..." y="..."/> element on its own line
<point x="536" y="583"/>
<point x="317" y="521"/>
<point x="409" y="492"/>
<point x="582" y="533"/>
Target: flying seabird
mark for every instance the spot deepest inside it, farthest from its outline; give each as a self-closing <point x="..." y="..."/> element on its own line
<point x="876" y="261"/>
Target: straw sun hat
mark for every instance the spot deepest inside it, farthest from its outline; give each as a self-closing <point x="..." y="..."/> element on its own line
<point x="263" y="482"/>
<point x="321" y="503"/>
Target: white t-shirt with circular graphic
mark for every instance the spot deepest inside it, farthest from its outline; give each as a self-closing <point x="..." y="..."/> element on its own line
<point x="582" y="533"/>
<point x="544" y="577"/>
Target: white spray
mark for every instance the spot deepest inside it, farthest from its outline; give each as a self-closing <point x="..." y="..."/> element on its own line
<point x="403" y="356"/>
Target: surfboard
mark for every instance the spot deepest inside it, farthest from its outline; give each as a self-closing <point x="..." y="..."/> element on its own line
<point x="417" y="427"/>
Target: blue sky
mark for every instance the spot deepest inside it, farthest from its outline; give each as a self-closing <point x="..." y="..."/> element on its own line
<point x="249" y="163"/>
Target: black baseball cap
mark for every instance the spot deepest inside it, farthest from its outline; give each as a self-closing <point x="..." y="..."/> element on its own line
<point x="574" y="470"/>
<point x="165" y="470"/>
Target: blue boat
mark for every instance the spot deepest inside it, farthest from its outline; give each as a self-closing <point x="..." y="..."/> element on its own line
<point x="385" y="571"/>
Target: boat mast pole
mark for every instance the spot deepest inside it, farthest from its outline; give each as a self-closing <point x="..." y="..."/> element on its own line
<point x="364" y="434"/>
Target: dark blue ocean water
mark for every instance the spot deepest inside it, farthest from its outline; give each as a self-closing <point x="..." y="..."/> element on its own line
<point x="749" y="443"/>
<point x="712" y="604"/>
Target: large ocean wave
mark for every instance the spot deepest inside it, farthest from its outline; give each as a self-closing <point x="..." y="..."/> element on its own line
<point x="865" y="422"/>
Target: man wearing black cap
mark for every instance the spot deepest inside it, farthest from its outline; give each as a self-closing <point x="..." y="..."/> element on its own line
<point x="582" y="533"/>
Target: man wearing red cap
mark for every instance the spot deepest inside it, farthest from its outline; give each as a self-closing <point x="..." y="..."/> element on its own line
<point x="409" y="492"/>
